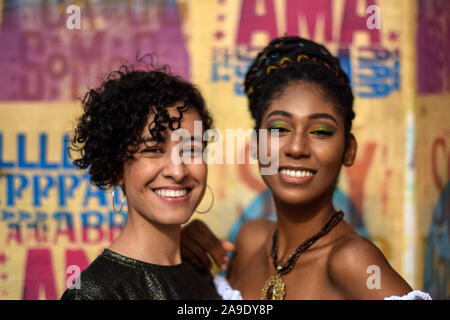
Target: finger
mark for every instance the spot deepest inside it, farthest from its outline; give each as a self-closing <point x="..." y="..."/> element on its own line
<point x="210" y="243"/>
<point x="191" y="237"/>
<point x="200" y="257"/>
<point x="206" y="240"/>
<point x="227" y="245"/>
<point x="192" y="252"/>
<point x="187" y="256"/>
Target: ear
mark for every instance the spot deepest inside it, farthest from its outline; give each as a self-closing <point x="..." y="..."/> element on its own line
<point x="120" y="184"/>
<point x="350" y="151"/>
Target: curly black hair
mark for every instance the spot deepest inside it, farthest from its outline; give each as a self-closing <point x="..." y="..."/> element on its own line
<point x="115" y="115"/>
<point x="292" y="58"/>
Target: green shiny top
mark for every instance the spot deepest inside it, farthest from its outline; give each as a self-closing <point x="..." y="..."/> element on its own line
<point x="112" y="276"/>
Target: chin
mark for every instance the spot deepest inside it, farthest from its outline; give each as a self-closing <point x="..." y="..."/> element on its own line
<point x="294" y="199"/>
<point x="297" y="195"/>
<point x="174" y="218"/>
<point x="166" y="216"/>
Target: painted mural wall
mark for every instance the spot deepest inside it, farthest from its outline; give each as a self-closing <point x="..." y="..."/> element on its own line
<point x="396" y="193"/>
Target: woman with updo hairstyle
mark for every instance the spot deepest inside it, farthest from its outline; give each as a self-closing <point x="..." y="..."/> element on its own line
<point x="124" y="139"/>
<point x="298" y="91"/>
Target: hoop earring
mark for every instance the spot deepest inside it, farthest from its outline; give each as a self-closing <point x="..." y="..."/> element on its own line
<point x="212" y="202"/>
<point x="114" y="204"/>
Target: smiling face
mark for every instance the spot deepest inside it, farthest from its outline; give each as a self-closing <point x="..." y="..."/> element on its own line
<point x="157" y="188"/>
<point x="311" y="144"/>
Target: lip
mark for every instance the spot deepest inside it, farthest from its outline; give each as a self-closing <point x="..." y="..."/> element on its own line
<point x="177" y="199"/>
<point x="296" y="180"/>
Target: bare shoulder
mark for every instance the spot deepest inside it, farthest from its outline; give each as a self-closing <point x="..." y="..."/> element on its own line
<point x="254" y="234"/>
<point x="352" y="247"/>
<point x="360" y="270"/>
<point x="250" y="241"/>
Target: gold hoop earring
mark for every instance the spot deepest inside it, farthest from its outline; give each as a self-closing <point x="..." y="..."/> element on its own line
<point x="212" y="202"/>
<point x="114" y="203"/>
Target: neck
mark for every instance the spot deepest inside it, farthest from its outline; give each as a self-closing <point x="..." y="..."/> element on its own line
<point x="296" y="223"/>
<point x="147" y="241"/>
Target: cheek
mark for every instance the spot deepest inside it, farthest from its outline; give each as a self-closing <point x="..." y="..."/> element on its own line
<point x="139" y="172"/>
<point x="269" y="147"/>
<point x="198" y="171"/>
<point x="329" y="155"/>
<point x="269" y="180"/>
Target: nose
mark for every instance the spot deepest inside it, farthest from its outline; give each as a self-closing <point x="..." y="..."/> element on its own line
<point x="298" y="146"/>
<point x="174" y="171"/>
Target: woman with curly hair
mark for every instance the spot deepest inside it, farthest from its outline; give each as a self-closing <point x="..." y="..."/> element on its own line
<point x="297" y="89"/>
<point x="124" y="139"/>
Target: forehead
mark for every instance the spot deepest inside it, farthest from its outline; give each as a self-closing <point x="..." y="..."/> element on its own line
<point x="303" y="99"/>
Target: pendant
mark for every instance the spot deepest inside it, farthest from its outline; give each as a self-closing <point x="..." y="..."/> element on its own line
<point x="273" y="288"/>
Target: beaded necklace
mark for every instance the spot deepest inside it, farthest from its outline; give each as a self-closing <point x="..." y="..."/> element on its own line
<point x="274" y="287"/>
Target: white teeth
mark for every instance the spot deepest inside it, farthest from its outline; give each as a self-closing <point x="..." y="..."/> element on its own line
<point x="170" y="193"/>
<point x="296" y="173"/>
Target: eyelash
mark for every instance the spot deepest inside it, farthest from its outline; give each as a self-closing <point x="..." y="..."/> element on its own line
<point x="322" y="132"/>
<point x="151" y="149"/>
<point x="279" y="127"/>
<point x="318" y="132"/>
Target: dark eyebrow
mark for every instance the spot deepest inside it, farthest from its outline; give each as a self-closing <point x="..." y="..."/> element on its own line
<point x="322" y="116"/>
<point x="280" y="113"/>
<point x="311" y="116"/>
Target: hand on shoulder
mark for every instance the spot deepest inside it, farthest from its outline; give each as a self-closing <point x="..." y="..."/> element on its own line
<point x="359" y="270"/>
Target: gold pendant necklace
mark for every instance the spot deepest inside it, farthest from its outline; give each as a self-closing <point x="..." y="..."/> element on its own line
<point x="274" y="287"/>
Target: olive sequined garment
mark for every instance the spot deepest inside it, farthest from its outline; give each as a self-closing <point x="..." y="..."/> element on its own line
<point x="112" y="276"/>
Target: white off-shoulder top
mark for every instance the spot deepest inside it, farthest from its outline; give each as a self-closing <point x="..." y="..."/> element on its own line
<point x="228" y="293"/>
